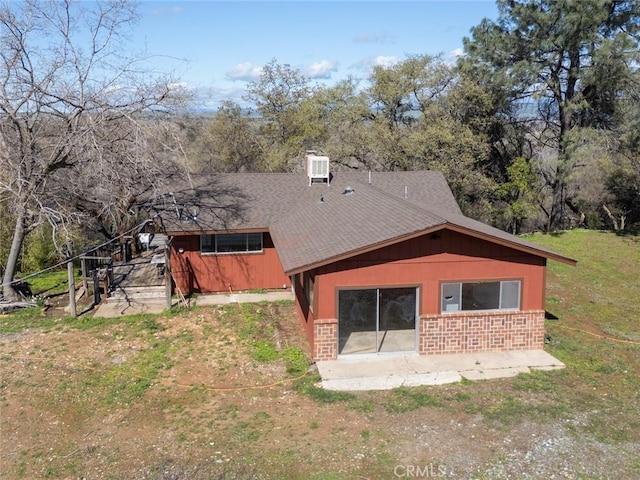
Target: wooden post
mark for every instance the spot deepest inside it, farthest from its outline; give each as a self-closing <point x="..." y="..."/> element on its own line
<point x="96" y="287"/>
<point x="167" y="274"/>
<point x="85" y="284"/>
<point x="72" y="289"/>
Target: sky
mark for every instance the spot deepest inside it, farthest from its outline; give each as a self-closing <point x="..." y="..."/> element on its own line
<point x="217" y="47"/>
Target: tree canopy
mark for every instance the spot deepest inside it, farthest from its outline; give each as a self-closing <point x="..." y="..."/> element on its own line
<point x="535" y="127"/>
<point x="570" y="61"/>
<point x="74" y="115"/>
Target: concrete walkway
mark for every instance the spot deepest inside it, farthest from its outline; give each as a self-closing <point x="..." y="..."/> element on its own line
<point x="384" y="372"/>
<point x="119" y="308"/>
<point x="239" y="297"/>
<point x="134" y="306"/>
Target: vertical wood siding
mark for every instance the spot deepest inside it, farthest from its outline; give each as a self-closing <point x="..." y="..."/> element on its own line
<point x="197" y="272"/>
<point x="427" y="261"/>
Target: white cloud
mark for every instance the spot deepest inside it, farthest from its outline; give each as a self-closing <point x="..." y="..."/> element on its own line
<point x="245" y="72"/>
<point x="177" y="86"/>
<point x="453" y="56"/>
<point x="210" y="98"/>
<point x="458" y="52"/>
<point x="380" y="37"/>
<point x="366" y="65"/>
<point x="163" y="12"/>
<point x="322" y="69"/>
<point x="385" y="61"/>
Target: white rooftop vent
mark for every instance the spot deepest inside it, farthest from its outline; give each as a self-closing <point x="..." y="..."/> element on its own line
<point x="317" y="168"/>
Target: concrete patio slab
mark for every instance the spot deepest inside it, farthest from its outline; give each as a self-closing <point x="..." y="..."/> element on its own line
<point x="384" y="372"/>
<point x="494" y="373"/>
<point x="135" y="306"/>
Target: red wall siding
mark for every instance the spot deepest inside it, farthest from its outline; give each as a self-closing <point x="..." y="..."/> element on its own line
<point x="197" y="272"/>
<point x="426" y="262"/>
<point x="322" y="334"/>
<point x="305" y="313"/>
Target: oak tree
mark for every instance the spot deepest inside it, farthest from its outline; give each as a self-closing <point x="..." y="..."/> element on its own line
<point x="73" y="113"/>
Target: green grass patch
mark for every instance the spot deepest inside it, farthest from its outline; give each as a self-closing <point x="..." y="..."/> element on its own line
<point x="256" y="325"/>
<point x="404" y="399"/>
<point x="296" y="360"/>
<point x="538" y="381"/>
<point x="53" y="282"/>
<point x="604" y="287"/>
<point x="363" y="405"/>
<point x="27" y="318"/>
<point x="244" y="432"/>
<point x="596" y="305"/>
<point x="509" y="411"/>
<point x="263" y="351"/>
<point x="130" y="381"/>
<point x="30" y="318"/>
<point x="308" y="386"/>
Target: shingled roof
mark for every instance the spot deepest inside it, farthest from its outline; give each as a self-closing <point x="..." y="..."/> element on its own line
<point x="314" y="225"/>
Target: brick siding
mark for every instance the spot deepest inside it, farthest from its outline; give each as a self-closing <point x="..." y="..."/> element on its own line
<point x="481" y="331"/>
<point x="325" y="345"/>
<point x="455" y="333"/>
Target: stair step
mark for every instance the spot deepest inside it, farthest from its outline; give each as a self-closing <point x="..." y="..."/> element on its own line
<point x="137" y="292"/>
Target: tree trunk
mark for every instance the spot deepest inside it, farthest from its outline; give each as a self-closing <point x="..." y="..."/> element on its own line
<point x="12" y="260"/>
<point x="613" y="219"/>
<point x="559" y="185"/>
<point x="556" y="214"/>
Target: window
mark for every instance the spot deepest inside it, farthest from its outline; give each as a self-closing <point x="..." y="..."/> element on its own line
<point x="231" y="243"/>
<point x="466" y="296"/>
<point x="308" y="289"/>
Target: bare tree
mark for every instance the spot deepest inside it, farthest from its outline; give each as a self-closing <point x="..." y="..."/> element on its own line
<point x="72" y="114"/>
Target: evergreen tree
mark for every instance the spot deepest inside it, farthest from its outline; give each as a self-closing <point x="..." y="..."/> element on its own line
<point x="569" y="59"/>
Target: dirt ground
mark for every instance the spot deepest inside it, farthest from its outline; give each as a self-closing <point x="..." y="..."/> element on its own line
<point x="183" y="397"/>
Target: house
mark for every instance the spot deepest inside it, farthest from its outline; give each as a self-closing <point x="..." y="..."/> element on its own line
<point x="378" y="261"/>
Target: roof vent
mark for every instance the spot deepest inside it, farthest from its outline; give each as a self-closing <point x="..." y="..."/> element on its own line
<point x="317" y="168"/>
<point x="348" y="190"/>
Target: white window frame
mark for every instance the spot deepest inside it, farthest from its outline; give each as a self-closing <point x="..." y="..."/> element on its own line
<point x="453" y="301"/>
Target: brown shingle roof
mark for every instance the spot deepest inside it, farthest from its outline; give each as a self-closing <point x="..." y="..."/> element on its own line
<point x="256" y="200"/>
<point x="313" y="225"/>
<point x="344" y="224"/>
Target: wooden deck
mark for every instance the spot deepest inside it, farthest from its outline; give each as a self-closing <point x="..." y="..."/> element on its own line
<point x="144" y="270"/>
<point x="138" y="272"/>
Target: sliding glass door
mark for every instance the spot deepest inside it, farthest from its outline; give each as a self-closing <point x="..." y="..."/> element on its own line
<point x="377" y="320"/>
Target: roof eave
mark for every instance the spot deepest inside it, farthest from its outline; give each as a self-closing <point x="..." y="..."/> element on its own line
<point x="448" y="225"/>
<point x="203" y="231"/>
<point x="539" y="252"/>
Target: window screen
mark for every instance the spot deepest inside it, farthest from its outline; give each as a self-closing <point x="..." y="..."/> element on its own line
<point x="451" y="297"/>
<point x="510" y="295"/>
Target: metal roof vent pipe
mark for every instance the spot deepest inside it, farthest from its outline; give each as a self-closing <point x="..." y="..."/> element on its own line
<point x="348" y="190"/>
